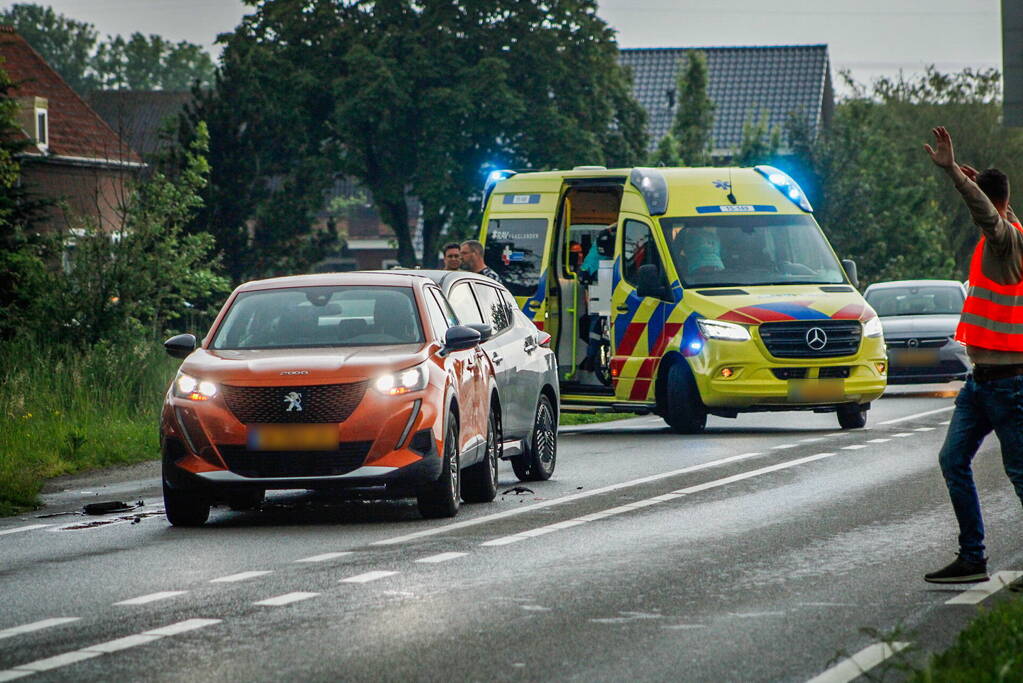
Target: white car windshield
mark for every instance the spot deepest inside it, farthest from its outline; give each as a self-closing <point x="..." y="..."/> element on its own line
<point x="916" y="300"/>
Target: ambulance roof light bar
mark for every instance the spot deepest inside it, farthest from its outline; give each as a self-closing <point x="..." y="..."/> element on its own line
<point x="654" y="188"/>
<point x="786" y="185"/>
<point x="493" y="178"/>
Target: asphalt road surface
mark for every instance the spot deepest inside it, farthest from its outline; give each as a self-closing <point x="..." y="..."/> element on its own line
<point x="772" y="547"/>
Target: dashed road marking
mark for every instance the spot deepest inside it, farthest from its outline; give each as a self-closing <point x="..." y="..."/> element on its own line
<point x="324" y="557"/>
<point x="878" y="440"/>
<point x="946" y="422"/>
<point x="621" y="509"/>
<point x="152" y="597"/>
<point x="860" y="663"/>
<point x="242" y="576"/>
<point x="368" y="576"/>
<point x="924" y="429"/>
<point x="982" y="591"/>
<point x="783" y="446"/>
<point x="18" y="529"/>
<point x="35" y="626"/>
<point x="812" y="440"/>
<point x="107" y="647"/>
<point x="901" y="435"/>
<point x="286" y="599"/>
<point x="854" y="447"/>
<point x="913" y="417"/>
<point x="441" y="557"/>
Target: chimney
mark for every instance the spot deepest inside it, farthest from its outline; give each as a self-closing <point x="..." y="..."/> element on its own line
<point x="34" y="117"/>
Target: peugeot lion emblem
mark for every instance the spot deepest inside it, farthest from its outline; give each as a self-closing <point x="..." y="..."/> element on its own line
<point x="816" y="338"/>
<point x="294" y="401"/>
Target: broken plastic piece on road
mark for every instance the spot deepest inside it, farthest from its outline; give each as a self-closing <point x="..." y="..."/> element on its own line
<point x="110" y="506"/>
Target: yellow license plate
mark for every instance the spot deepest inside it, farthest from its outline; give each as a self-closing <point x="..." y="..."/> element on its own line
<point x="319" y="437"/>
<point x="816" y="390"/>
<point x="914" y="357"/>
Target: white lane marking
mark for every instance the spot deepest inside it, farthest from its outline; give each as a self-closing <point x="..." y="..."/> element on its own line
<point x="441" y="557"/>
<point x="860" y="663"/>
<point x="981" y="591"/>
<point x="946" y="422"/>
<point x="901" y="435"/>
<point x="17" y="529"/>
<point x="98" y="649"/>
<point x="813" y="440"/>
<point x="783" y="446"/>
<point x="286" y="599"/>
<point x="35" y="626"/>
<point x="564" y="499"/>
<point x="242" y="576"/>
<point x="924" y="429"/>
<point x="549" y="528"/>
<point x="152" y="597"/>
<point x="368" y="576"/>
<point x="913" y="417"/>
<point x="879" y="441"/>
<point x="854" y="447"/>
<point x="324" y="557"/>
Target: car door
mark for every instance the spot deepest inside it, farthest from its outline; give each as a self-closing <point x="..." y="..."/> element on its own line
<point x="506" y="349"/>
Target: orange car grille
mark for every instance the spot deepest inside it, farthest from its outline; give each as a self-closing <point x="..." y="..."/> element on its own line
<point x="349" y="456"/>
<point x="318" y="403"/>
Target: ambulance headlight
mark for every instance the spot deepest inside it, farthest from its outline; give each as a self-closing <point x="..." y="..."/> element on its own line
<point x="872" y="328"/>
<point x="719" y="329"/>
<point x="786" y="185"/>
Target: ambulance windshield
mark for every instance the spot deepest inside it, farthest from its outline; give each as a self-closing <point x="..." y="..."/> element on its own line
<point x="515" y="250"/>
<point x="750" y="250"/>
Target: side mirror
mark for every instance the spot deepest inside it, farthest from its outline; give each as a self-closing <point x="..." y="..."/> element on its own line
<point x="850" y="271"/>
<point x="486" y="331"/>
<point x="649" y="282"/>
<point x="461" y="337"/>
<point x="180" y="346"/>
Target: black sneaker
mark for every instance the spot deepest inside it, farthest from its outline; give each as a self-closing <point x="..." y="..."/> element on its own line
<point x="960" y="571"/>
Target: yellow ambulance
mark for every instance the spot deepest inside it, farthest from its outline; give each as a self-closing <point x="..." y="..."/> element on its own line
<point x="685" y="292"/>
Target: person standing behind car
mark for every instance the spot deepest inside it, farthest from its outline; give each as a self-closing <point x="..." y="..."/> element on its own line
<point x="452" y="256"/>
<point x="472" y="260"/>
<point x="990" y="328"/>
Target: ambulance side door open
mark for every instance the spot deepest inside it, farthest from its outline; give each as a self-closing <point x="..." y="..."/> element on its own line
<point x="641" y="302"/>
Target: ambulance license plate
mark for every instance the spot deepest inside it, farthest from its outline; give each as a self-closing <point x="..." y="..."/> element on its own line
<point x="816" y="390"/>
<point x="315" y="437"/>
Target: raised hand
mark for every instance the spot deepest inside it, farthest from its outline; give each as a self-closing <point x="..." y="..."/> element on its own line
<point x="969" y="171"/>
<point x="942" y="156"/>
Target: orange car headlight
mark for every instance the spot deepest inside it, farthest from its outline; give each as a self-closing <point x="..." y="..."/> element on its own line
<point x="194" y="389"/>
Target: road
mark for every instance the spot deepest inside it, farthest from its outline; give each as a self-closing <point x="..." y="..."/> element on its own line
<point x="760" y="550"/>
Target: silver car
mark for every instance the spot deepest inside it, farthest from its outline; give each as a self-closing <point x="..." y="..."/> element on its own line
<point x="919" y="318"/>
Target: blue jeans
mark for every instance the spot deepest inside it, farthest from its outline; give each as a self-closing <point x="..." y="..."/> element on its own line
<point x="980" y="409"/>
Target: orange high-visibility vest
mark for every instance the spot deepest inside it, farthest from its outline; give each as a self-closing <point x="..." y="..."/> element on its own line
<point x="993" y="313"/>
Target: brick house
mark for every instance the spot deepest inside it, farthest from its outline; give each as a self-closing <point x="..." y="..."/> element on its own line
<point x="75" y="158"/>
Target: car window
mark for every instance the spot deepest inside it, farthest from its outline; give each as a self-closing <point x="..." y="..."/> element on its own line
<point x="301" y="317"/>
<point x="916" y="300"/>
<point x="515" y="250"/>
<point x="438" y="320"/>
<point x="494" y="309"/>
<point x="510" y="303"/>
<point x="639" y="249"/>
<point x="464" y="303"/>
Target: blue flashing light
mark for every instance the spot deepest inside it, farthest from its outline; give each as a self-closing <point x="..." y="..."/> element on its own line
<point x="493" y="178"/>
<point x="654" y="188"/>
<point x="696" y="346"/>
<point x="786" y="185"/>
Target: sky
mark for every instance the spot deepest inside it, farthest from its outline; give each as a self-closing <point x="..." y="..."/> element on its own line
<point x="869" y="38"/>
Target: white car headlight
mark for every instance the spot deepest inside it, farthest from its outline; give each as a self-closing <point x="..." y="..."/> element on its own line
<point x="402" y="382"/>
<point x="194" y="389"/>
<point x="719" y="329"/>
<point x="872" y="328"/>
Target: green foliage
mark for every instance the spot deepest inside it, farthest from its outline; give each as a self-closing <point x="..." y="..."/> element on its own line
<point x="760" y="142"/>
<point x="694" y="117"/>
<point x="74" y="50"/>
<point x="989" y="649"/>
<point x="666" y="153"/>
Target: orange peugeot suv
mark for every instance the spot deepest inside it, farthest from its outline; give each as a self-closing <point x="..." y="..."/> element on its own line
<point x="330" y="381"/>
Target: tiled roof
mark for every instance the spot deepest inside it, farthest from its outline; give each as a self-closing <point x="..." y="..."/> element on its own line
<point x="742" y="82"/>
<point x="75" y="129"/>
<point x="138" y="115"/>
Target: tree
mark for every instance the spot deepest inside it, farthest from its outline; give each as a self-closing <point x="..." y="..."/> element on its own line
<point x="694" y="117"/>
<point x="67" y="45"/>
<point x="760" y="142"/>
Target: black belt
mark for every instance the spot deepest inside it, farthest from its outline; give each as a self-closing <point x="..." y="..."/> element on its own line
<point x="990" y="373"/>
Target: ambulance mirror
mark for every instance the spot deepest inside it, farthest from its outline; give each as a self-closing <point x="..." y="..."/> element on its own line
<point x="850" y="271"/>
<point x="649" y="281"/>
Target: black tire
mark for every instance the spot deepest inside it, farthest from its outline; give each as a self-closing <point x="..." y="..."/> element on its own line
<point x="683" y="409"/>
<point x="541" y="454"/>
<point x="185" y="507"/>
<point x="852" y="416"/>
<point x="245" y="499"/>
<point x="479" y="482"/>
<point x="441" y="498"/>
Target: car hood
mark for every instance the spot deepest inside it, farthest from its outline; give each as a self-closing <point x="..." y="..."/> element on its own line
<point x="919" y="325"/>
<point x="302" y="366"/>
<point x="755" y="305"/>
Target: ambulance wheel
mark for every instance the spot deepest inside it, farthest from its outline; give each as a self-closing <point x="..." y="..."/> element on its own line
<point x="852" y="416"/>
<point x="683" y="409"/>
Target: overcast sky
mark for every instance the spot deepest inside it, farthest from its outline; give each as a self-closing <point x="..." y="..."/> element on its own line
<point x="867" y="37"/>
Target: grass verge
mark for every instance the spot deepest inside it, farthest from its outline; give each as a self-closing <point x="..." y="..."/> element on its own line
<point x="64" y="411"/>
<point x="989" y="649"/>
<point x="591" y="418"/>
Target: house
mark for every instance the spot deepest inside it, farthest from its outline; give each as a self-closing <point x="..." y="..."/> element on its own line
<point x="74" y="158"/>
<point x="1012" y="63"/>
<point x="743" y="83"/>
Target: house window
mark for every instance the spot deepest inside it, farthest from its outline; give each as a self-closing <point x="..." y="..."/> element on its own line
<point x="42" y="128"/>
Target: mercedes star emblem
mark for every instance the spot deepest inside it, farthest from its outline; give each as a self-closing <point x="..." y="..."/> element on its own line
<point x="816" y="338"/>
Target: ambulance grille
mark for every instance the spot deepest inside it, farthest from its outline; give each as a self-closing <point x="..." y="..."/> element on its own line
<point x="319" y="403"/>
<point x="812" y="338"/>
